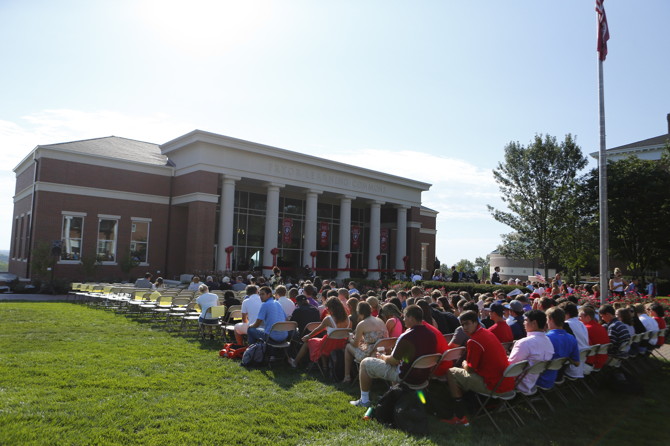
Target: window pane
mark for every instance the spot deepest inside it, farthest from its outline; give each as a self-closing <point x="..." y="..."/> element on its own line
<point x="139" y="240"/>
<point x="107" y="241"/>
<point x="71" y="238"/>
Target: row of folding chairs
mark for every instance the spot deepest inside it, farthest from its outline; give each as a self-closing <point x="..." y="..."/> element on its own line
<point x="509" y="402"/>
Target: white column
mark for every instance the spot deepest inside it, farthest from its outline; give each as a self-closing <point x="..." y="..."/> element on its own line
<point x="401" y="237"/>
<point x="309" y="245"/>
<point x="226" y="220"/>
<point x="271" y="226"/>
<point x="345" y="235"/>
<point x="373" y="246"/>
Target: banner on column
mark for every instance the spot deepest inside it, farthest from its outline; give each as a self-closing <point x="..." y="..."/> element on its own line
<point x="324" y="230"/>
<point x="384" y="240"/>
<point x="287" y="230"/>
<point x="355" y="237"/>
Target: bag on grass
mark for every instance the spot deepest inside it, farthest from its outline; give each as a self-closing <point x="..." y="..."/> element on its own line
<point x="232" y="351"/>
<point x="409" y="413"/>
<point x="254" y="355"/>
<point x="337" y="365"/>
<point x="384" y="410"/>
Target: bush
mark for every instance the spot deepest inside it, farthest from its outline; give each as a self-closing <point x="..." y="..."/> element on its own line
<point x="471" y="287"/>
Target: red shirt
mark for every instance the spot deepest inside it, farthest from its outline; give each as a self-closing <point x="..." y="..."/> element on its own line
<point x="597" y="335"/>
<point x="502" y="331"/>
<point x="661" y="325"/>
<point x="442" y="346"/>
<point x="486" y="357"/>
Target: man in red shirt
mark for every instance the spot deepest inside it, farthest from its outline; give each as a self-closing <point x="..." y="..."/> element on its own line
<point x="483" y="367"/>
<point x="597" y="335"/>
<point x="500" y="328"/>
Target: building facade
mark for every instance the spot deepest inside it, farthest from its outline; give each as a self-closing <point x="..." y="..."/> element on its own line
<point x="208" y="202"/>
<point x="647" y="149"/>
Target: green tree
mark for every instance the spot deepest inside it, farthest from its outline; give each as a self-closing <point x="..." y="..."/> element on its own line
<point x="128" y="263"/>
<point x="465" y="266"/>
<point x="482" y="267"/>
<point x="638" y="196"/>
<point x="41" y="260"/>
<point x="579" y="240"/>
<point x="534" y="182"/>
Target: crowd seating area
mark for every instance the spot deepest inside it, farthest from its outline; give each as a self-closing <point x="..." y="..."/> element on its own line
<point x="176" y="309"/>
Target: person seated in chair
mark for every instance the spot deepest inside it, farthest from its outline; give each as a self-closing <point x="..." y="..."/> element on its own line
<point x="535" y="347"/>
<point x="482" y="369"/>
<point x="415" y="342"/>
<point x="565" y="346"/>
<point x="269" y="313"/>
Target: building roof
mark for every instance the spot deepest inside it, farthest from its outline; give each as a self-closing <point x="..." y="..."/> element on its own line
<point x="115" y="147"/>
<point x="655" y="141"/>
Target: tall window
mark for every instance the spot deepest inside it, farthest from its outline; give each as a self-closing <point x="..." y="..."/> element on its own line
<point x="139" y="240"/>
<point x="72" y="237"/>
<point x="107" y="232"/>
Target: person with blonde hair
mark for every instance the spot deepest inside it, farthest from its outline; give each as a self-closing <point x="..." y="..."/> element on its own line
<point x="617" y="283"/>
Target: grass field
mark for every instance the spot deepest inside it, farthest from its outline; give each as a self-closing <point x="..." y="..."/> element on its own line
<point x="70" y="374"/>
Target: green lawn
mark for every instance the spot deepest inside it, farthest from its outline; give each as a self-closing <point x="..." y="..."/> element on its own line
<point x="70" y="374"/>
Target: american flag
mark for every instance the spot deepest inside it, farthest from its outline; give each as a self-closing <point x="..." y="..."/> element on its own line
<point x="539" y="277"/>
<point x="603" y="29"/>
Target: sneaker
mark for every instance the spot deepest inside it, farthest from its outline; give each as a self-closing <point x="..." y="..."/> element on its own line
<point x="463" y="421"/>
<point x="292" y="362"/>
<point x="360" y="403"/>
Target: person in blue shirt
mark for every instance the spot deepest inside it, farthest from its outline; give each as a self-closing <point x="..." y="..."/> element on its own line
<point x="565" y="346"/>
<point x="270" y="312"/>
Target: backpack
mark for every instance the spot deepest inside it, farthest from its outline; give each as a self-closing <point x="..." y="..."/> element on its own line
<point x="403" y="409"/>
<point x="409" y="413"/>
<point x="384" y="410"/>
<point x="254" y="355"/>
<point x="337" y="365"/>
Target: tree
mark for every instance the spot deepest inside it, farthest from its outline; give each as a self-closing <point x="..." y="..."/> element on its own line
<point x="128" y="263"/>
<point x="534" y="182"/>
<point x="638" y="196"/>
<point x="465" y="266"/>
<point x="579" y="240"/>
<point x="482" y="267"/>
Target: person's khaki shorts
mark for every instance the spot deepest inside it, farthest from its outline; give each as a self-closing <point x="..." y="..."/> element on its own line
<point x="377" y="368"/>
<point x="469" y="380"/>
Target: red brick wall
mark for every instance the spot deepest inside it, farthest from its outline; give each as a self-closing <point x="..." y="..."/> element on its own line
<point x="200" y="237"/>
<point x="87" y="175"/>
<point x="206" y="182"/>
<point x="24" y="179"/>
<point x="49" y="220"/>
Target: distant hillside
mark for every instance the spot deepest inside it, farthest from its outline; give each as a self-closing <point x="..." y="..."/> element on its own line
<point x="4" y="261"/>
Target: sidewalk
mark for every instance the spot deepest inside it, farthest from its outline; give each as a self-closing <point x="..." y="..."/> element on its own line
<point x="33" y="297"/>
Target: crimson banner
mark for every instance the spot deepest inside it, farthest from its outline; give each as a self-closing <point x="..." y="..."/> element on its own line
<point x="324" y="230"/>
<point x="355" y="237"/>
<point x="287" y="230"/>
<point x="383" y="240"/>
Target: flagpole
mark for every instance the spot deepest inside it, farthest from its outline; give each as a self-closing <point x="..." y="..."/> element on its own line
<point x="602" y="183"/>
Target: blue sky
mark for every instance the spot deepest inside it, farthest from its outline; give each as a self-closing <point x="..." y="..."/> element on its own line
<point x="431" y="90"/>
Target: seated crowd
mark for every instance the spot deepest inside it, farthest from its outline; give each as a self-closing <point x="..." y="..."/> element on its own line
<point x="495" y="330"/>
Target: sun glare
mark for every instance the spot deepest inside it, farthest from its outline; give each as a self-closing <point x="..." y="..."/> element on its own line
<point x="203" y="26"/>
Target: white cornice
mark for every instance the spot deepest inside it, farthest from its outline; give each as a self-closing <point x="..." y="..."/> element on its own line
<point x="226" y="141"/>
<point x="23" y="194"/>
<point x="41" y="186"/>
<point x="427" y="231"/>
<point x="414" y="224"/>
<point x="428" y="213"/>
<point x="196" y="196"/>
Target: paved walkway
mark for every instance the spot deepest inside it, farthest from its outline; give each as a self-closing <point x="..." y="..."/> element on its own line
<point x="33" y="297"/>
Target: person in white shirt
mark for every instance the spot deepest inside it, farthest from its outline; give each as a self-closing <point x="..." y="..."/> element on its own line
<point x="206" y="300"/>
<point x="250" y="308"/>
<point x="287" y="304"/>
<point x="649" y="323"/>
<point x="580" y="332"/>
<point x="195" y="284"/>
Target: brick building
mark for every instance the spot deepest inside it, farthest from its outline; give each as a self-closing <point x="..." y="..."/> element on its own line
<point x="206" y="202"/>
